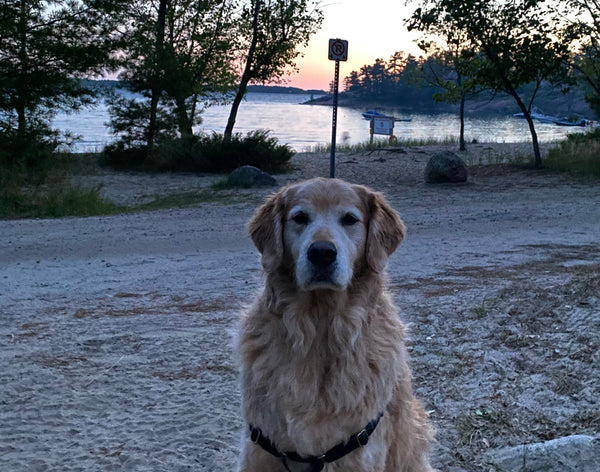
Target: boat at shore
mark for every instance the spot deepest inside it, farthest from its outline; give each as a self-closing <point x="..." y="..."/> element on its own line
<point x="373" y="113"/>
<point x="543" y="118"/>
<point x="367" y="115"/>
<point x="566" y="122"/>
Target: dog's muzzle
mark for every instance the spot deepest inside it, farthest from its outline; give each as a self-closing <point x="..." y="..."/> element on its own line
<point x="322" y="255"/>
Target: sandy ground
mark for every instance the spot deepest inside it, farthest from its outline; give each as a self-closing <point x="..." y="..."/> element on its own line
<point x="115" y="333"/>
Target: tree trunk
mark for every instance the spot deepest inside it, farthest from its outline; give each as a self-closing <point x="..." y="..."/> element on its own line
<point x="156" y="74"/>
<point x="21" y="86"/>
<point x="527" y="114"/>
<point x="246" y="75"/>
<point x="462" y="145"/>
<point x="536" y="146"/>
<point x="184" y="122"/>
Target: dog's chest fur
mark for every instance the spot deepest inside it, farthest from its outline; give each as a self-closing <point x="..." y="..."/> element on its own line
<point x="317" y="372"/>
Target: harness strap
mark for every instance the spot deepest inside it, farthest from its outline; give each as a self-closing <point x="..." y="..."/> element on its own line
<point x="357" y="440"/>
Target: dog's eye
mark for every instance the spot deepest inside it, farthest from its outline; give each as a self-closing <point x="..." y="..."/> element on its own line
<point x="300" y="218"/>
<point x="349" y="219"/>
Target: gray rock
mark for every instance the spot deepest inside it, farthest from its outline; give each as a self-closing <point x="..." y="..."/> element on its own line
<point x="445" y="167"/>
<point x="571" y="453"/>
<point x="249" y="176"/>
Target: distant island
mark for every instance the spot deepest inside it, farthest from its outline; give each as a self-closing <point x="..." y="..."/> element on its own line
<point x="570" y="104"/>
<point x="283" y="89"/>
<point x="106" y="83"/>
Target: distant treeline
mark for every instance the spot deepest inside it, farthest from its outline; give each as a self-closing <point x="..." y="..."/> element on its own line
<point x="108" y="83"/>
<point x="403" y="82"/>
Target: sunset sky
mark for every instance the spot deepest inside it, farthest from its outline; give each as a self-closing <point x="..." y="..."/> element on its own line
<point x="373" y="28"/>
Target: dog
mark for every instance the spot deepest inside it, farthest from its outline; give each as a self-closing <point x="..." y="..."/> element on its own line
<point x="325" y="379"/>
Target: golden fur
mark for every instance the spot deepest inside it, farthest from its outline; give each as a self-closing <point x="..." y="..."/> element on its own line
<point x="321" y="355"/>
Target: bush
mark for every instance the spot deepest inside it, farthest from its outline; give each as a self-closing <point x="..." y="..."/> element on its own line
<point x="578" y="155"/>
<point x="205" y="153"/>
<point x="118" y="156"/>
<point x="28" y="154"/>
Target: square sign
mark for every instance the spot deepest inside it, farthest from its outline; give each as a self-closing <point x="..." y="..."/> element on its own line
<point x="382" y="125"/>
<point x="338" y="50"/>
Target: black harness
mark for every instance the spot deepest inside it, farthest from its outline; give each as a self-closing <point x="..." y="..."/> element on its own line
<point x="317" y="463"/>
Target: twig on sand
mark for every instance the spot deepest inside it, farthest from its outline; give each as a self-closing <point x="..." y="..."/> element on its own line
<point x="110" y="367"/>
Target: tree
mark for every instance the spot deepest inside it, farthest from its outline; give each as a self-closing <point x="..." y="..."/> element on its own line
<point x="585" y="30"/>
<point x="177" y="58"/>
<point x="271" y="32"/>
<point x="449" y="65"/>
<point x="45" y="48"/>
<point x="519" y="42"/>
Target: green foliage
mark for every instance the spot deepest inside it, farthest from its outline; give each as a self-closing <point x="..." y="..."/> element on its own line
<point x="29" y="152"/>
<point x="46" y="47"/>
<point x="578" y="155"/>
<point x="207" y="153"/>
<point x="177" y="57"/>
<point x="129" y="118"/>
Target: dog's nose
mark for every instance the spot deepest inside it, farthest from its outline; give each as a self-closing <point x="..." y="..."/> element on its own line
<point x="322" y="253"/>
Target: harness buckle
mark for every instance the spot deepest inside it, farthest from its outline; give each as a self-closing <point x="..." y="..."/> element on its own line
<point x="362" y="438"/>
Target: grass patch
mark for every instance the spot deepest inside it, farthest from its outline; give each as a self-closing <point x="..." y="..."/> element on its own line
<point x="44" y="191"/>
<point x="54" y="202"/>
<point x="382" y="144"/>
<point x="578" y="155"/>
<point x="191" y="199"/>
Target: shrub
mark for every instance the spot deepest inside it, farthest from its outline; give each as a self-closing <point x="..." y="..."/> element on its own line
<point x="27" y="154"/>
<point x="118" y="156"/>
<point x="205" y="153"/>
<point x="578" y="155"/>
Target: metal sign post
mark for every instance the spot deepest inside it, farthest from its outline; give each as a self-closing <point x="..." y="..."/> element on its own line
<point x="338" y="51"/>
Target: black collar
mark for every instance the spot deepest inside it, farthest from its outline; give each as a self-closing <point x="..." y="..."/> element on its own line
<point x="318" y="462"/>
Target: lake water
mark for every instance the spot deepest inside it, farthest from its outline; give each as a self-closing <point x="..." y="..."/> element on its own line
<point x="302" y="126"/>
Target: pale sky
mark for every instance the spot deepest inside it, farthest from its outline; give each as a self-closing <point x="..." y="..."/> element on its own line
<point x="373" y="28"/>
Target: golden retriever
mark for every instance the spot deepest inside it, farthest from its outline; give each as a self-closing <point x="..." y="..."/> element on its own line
<point x="326" y="384"/>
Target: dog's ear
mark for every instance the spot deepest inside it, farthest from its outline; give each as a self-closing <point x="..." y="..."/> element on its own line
<point x="266" y="231"/>
<point x="385" y="231"/>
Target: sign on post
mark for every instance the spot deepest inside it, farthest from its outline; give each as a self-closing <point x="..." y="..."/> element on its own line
<point x="382" y="125"/>
<point x="338" y="51"/>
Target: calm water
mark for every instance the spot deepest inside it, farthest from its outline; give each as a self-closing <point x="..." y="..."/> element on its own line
<point x="303" y="126"/>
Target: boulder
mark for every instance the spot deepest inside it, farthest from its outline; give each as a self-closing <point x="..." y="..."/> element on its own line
<point x="249" y="176"/>
<point x="576" y="453"/>
<point x="445" y="167"/>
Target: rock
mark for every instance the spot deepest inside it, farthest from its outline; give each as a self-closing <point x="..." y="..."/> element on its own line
<point x="571" y="453"/>
<point x="249" y="176"/>
<point x="445" y="167"/>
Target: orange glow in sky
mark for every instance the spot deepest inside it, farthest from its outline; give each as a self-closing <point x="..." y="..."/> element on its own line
<point x="373" y="28"/>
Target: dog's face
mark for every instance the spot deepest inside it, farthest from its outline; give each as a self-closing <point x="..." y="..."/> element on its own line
<point x="326" y="231"/>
